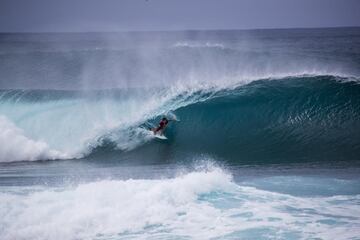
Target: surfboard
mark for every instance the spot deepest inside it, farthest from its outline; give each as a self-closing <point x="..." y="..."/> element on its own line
<point x="152" y="133"/>
<point x="160" y="136"/>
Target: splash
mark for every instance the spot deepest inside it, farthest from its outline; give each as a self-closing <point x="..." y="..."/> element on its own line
<point x="199" y="204"/>
<point x="15" y="146"/>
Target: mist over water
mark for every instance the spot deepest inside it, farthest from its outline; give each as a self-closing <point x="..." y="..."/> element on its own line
<point x="267" y="144"/>
<point x="94" y="60"/>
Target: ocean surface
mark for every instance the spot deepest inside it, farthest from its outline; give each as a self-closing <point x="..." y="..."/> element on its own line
<point x="266" y="144"/>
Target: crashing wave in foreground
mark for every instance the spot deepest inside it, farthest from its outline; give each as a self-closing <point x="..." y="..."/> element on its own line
<point x="198" y="205"/>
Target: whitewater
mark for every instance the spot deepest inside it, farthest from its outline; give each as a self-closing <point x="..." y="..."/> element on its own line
<point x="267" y="146"/>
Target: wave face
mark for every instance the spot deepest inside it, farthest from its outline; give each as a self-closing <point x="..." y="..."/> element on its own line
<point x="316" y="118"/>
<point x="304" y="118"/>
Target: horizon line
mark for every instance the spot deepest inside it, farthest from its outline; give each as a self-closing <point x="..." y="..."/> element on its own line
<point x="177" y="30"/>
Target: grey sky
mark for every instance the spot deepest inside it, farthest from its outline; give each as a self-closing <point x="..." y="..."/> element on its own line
<point x="137" y="15"/>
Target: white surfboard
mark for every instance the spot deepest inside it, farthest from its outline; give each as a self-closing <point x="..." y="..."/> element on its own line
<point x="157" y="135"/>
<point x="160" y="136"/>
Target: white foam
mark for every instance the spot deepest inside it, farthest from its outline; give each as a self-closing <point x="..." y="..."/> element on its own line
<point x="15" y="146"/>
<point x="197" y="205"/>
<point x="115" y="207"/>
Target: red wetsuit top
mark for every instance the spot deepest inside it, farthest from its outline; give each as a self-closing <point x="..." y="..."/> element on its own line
<point x="162" y="124"/>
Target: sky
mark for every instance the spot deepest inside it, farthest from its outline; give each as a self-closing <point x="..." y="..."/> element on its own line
<point x="163" y="15"/>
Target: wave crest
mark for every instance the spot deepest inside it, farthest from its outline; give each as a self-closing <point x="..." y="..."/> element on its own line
<point x="300" y="117"/>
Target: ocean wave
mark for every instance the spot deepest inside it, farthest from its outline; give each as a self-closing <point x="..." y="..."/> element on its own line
<point x="241" y="121"/>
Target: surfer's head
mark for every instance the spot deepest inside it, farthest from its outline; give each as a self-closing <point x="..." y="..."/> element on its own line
<point x="164" y="118"/>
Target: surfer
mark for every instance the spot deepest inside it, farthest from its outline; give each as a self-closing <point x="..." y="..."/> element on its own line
<point x="162" y="125"/>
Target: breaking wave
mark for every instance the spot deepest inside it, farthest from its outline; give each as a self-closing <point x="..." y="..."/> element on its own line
<point x="312" y="117"/>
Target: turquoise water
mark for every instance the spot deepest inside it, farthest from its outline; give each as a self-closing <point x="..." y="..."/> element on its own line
<point x="267" y="146"/>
